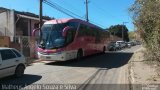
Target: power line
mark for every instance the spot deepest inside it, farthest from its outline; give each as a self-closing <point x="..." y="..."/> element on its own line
<point x="66" y="11"/>
<point x="103" y="10"/>
<point x="97" y="24"/>
<point x="65" y="2"/>
<point x="97" y="7"/>
<point x="57" y="8"/>
<point x="61" y="9"/>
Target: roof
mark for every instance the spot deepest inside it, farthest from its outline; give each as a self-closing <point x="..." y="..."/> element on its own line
<point x="25" y="13"/>
<point x="55" y="21"/>
<point x="65" y="20"/>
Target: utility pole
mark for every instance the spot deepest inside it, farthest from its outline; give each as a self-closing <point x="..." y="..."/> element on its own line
<point x="123" y="30"/>
<point x="87" y="11"/>
<point x="40" y="17"/>
<point x="40" y="12"/>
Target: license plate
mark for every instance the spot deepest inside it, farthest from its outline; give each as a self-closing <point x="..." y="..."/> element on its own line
<point x="48" y="57"/>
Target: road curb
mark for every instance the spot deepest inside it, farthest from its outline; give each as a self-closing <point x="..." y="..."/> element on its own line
<point x="36" y="61"/>
<point x="131" y="76"/>
<point x="131" y="71"/>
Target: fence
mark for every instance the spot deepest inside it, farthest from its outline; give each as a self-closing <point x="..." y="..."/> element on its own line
<point x="27" y="45"/>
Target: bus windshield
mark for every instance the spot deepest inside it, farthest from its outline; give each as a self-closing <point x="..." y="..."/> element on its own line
<point x="52" y="36"/>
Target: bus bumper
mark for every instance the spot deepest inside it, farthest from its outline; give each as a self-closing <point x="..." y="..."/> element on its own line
<point x="52" y="57"/>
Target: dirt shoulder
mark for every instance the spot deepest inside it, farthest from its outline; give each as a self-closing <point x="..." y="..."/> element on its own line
<point x="140" y="71"/>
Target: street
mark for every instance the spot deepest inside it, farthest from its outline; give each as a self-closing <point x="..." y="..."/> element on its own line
<point x="97" y="72"/>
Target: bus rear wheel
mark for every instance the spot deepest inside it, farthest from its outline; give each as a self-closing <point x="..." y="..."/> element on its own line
<point x="79" y="54"/>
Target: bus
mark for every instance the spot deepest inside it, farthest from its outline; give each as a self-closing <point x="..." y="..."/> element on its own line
<point x="65" y="39"/>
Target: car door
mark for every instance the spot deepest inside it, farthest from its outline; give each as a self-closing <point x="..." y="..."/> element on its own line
<point x="8" y="62"/>
<point x="20" y="58"/>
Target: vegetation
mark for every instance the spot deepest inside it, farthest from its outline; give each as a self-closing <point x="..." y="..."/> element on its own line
<point x="131" y="35"/>
<point x="146" y="16"/>
<point x="117" y="31"/>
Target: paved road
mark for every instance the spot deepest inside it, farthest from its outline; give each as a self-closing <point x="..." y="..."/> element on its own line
<point x="91" y="73"/>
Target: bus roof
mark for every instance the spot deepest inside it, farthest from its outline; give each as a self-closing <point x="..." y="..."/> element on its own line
<point x="56" y="21"/>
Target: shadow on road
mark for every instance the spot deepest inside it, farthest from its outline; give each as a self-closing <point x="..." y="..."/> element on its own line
<point x="108" y="60"/>
<point x="20" y="82"/>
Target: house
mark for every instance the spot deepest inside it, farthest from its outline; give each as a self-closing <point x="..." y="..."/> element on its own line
<point x="16" y="23"/>
<point x="18" y="27"/>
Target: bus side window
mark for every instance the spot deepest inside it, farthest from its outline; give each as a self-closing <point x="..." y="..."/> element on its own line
<point x="73" y="24"/>
<point x="81" y="31"/>
<point x="70" y="35"/>
<point x="85" y="30"/>
<point x="98" y="36"/>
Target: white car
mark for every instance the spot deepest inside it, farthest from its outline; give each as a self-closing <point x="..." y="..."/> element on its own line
<point x="12" y="62"/>
<point x="129" y="44"/>
<point x="121" y="44"/>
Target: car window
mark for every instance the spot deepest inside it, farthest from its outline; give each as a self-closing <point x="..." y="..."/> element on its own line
<point x="17" y="53"/>
<point x="7" y="54"/>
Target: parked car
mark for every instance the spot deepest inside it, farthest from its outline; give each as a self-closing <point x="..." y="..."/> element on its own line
<point x="133" y="43"/>
<point x="138" y="42"/>
<point x="121" y="44"/>
<point x="113" y="46"/>
<point x="129" y="44"/>
<point x="126" y="44"/>
<point x="12" y="62"/>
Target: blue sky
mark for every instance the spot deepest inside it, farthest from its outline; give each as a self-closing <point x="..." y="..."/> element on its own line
<point x="103" y="13"/>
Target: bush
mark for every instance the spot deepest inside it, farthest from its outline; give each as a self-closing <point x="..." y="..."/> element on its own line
<point x="146" y="16"/>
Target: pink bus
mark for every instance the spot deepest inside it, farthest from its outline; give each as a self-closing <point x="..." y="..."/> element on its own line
<point x="65" y="39"/>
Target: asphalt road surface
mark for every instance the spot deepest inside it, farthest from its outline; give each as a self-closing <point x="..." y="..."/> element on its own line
<point x="107" y="71"/>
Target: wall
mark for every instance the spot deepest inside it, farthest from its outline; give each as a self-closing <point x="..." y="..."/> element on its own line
<point x="11" y="23"/>
<point x="7" y="27"/>
<point x="5" y="40"/>
<point x="3" y="23"/>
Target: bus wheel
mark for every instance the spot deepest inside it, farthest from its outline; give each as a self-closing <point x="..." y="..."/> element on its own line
<point x="79" y="54"/>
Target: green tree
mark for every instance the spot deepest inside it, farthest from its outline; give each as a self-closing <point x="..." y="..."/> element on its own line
<point x="146" y="16"/>
<point x="117" y="31"/>
<point x="131" y="35"/>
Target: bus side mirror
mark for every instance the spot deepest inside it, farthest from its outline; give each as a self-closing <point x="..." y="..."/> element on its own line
<point x="34" y="31"/>
<point x="65" y="30"/>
